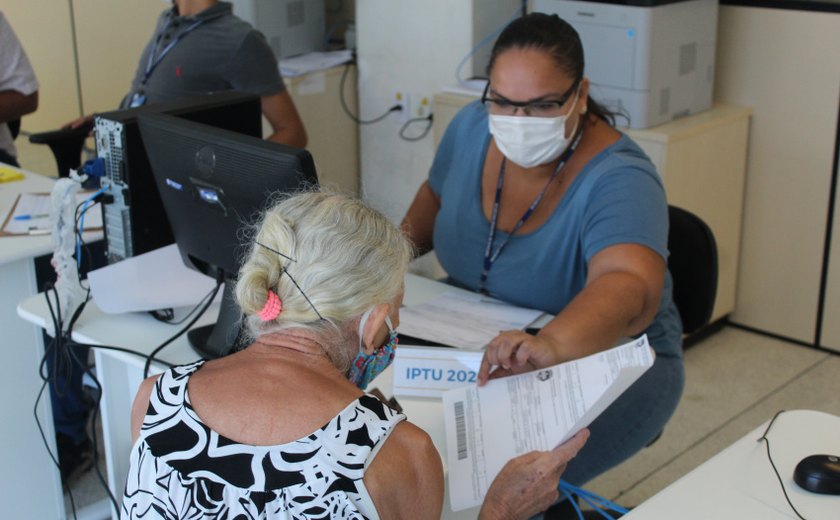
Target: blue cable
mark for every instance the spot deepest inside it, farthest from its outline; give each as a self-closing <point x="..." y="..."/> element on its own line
<point x="572" y="501"/>
<point x="603" y="501"/>
<point x="594" y="507"/>
<point x="85" y="207"/>
<point x="600" y="502"/>
<point x="595" y="501"/>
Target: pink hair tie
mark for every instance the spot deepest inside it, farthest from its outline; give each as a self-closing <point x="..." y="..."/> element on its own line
<point x="272" y="308"/>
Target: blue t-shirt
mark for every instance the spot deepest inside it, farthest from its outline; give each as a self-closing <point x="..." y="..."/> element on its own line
<point x="617" y="198"/>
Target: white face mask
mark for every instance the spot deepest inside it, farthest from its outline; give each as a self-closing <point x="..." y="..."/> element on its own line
<point x="530" y="141"/>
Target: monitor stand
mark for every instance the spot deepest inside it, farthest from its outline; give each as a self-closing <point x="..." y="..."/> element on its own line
<point x="221" y="338"/>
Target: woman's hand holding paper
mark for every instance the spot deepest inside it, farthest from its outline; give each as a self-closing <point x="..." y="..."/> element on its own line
<point x="515" y="352"/>
<point x="528" y="484"/>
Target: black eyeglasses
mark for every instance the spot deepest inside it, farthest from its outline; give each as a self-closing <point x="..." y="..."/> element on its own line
<point x="537" y="108"/>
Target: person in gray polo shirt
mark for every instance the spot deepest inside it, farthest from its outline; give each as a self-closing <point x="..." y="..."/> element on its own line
<point x="198" y="47"/>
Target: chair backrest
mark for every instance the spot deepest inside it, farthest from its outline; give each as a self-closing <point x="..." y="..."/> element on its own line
<point x="693" y="263"/>
<point x="14" y="127"/>
<point x="66" y="146"/>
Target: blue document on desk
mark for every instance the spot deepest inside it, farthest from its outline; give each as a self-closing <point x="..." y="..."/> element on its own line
<point x="488" y="426"/>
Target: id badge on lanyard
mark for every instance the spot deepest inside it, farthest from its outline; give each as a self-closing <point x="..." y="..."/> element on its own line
<point x="138" y="99"/>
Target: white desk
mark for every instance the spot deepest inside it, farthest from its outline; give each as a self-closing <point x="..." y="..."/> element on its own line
<point x="738" y="483"/>
<point x="121" y="373"/>
<point x="31" y="483"/>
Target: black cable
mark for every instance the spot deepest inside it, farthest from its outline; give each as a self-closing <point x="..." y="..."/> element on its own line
<point x="415" y="120"/>
<point x="62" y="351"/>
<point x="773" y="465"/>
<point x="65" y="345"/>
<point x="61" y="348"/>
<point x="219" y="281"/>
<point x="47" y="444"/>
<point x="95" y="413"/>
<point x="395" y="108"/>
<point x="172" y="320"/>
<point x="57" y="352"/>
<point x="78" y="234"/>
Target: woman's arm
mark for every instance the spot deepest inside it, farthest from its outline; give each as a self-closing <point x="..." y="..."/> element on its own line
<point x="286" y="125"/>
<point x="13" y="104"/>
<point x="405" y="480"/>
<point x="620" y="298"/>
<point x="141" y="404"/>
<point x="419" y="223"/>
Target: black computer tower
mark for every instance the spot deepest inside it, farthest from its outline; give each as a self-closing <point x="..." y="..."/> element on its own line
<point x="133" y="215"/>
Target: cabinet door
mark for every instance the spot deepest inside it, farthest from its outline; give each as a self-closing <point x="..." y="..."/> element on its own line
<point x="333" y="135"/>
<point x="44" y="29"/>
<point x="830" y="336"/>
<point x="784" y="64"/>
<point x="701" y="159"/>
<point x="110" y="36"/>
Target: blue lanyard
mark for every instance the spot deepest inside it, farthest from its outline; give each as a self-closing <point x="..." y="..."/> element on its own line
<point x="153" y="62"/>
<point x="489" y="255"/>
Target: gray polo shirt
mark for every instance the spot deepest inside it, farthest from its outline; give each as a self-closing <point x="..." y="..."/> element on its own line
<point x="209" y="52"/>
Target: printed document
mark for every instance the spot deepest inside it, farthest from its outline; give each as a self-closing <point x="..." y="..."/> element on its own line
<point x="463" y="320"/>
<point x="488" y="426"/>
<point x="154" y="280"/>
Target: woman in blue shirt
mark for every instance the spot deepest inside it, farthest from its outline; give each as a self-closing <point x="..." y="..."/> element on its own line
<point x="535" y="198"/>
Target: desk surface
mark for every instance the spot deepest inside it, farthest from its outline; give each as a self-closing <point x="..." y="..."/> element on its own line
<point x="739" y="483"/>
<point x="19" y="247"/>
<point x="738" y="480"/>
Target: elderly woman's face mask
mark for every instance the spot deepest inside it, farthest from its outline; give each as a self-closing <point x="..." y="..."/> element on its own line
<point x="366" y="367"/>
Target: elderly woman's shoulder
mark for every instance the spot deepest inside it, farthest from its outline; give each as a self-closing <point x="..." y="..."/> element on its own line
<point x="408" y="474"/>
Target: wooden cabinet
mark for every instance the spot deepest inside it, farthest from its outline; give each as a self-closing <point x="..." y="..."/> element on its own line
<point x="110" y="36"/>
<point x="48" y="43"/>
<point x="785" y="65"/>
<point x="84" y="53"/>
<point x="702" y="161"/>
<point x="333" y="135"/>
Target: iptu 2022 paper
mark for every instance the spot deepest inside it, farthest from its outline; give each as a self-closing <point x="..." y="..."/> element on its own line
<point x="488" y="426"/>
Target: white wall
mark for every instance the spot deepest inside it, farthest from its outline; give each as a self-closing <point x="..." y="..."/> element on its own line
<point x="415" y="46"/>
<point x="403" y="45"/>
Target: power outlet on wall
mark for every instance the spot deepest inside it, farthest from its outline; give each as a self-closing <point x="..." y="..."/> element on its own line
<point x="422" y="107"/>
<point x="403" y="99"/>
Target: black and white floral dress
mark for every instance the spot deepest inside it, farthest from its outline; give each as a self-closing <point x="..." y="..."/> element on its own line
<point x="181" y="469"/>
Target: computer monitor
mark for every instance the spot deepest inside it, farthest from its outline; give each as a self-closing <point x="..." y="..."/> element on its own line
<point x="133" y="214"/>
<point x="212" y="183"/>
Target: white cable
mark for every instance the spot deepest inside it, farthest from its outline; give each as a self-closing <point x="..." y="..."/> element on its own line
<point x="63" y="223"/>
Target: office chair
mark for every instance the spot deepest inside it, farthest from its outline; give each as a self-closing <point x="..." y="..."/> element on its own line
<point x="693" y="263"/>
<point x="66" y="146"/>
<point x="14" y="127"/>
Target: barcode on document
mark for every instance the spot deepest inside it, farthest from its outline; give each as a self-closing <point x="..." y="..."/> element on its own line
<point x="460" y="430"/>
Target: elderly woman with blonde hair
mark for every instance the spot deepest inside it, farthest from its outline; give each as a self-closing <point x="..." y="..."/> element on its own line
<point x="282" y="428"/>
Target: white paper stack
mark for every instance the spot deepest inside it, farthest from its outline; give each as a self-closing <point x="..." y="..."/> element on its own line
<point x="488" y="426"/>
